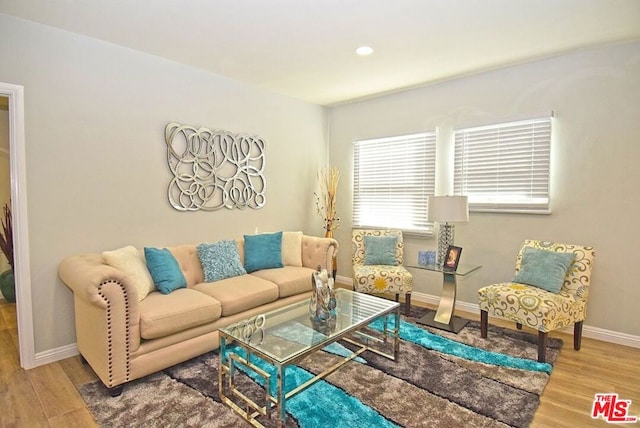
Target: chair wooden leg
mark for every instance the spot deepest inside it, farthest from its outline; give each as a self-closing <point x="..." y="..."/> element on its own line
<point x="484" y="323"/>
<point x="577" y="335"/>
<point x="519" y="326"/>
<point x="397" y="297"/>
<point x="407" y="304"/>
<point x="542" y="346"/>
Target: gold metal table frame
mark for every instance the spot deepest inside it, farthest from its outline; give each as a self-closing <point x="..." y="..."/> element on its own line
<point x="443" y="317"/>
<point x="355" y="312"/>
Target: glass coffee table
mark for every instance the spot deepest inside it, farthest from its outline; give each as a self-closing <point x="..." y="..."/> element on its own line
<point x="287" y="335"/>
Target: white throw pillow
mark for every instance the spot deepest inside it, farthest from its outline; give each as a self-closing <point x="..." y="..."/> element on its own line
<point x="292" y="248"/>
<point x="131" y="261"/>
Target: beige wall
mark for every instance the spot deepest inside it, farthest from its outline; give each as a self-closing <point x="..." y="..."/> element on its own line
<point x="596" y="149"/>
<point x="97" y="172"/>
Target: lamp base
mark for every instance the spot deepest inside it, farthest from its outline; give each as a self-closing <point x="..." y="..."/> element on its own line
<point x="445" y="238"/>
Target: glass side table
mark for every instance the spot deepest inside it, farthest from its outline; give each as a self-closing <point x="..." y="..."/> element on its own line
<point x="443" y="317"/>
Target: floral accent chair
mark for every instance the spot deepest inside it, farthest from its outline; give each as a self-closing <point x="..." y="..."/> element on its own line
<point x="549" y="291"/>
<point x="377" y="264"/>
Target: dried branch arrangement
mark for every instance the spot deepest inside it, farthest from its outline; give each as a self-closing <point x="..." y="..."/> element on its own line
<point x="6" y="235"/>
<point x="326" y="201"/>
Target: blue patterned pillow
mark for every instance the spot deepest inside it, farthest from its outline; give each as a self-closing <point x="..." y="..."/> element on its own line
<point x="262" y="251"/>
<point x="164" y="270"/>
<point x="220" y="260"/>
<point x="544" y="269"/>
<point x="380" y="250"/>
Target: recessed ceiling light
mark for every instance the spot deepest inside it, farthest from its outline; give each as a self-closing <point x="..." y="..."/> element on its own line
<point x="364" y="50"/>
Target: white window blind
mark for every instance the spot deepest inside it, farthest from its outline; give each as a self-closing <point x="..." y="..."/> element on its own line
<point x="504" y="167"/>
<point x="392" y="178"/>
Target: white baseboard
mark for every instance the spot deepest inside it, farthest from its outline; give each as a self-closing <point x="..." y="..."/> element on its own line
<point x="610" y="336"/>
<point x="587" y="331"/>
<point x="67" y="351"/>
<point x="344" y="280"/>
<point x="57" y="354"/>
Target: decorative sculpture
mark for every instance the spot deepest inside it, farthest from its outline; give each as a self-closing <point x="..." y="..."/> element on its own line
<point x="214" y="169"/>
<point x="322" y="305"/>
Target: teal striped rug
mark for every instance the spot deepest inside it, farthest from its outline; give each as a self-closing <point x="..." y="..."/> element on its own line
<point x="441" y="379"/>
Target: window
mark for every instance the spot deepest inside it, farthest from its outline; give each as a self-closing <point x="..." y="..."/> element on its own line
<point x="392" y="178"/>
<point x="504" y="167"/>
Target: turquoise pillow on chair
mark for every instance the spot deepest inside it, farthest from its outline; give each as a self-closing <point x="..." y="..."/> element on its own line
<point x="164" y="270"/>
<point x="220" y="260"/>
<point x="380" y="250"/>
<point x="263" y="251"/>
<point x="544" y="269"/>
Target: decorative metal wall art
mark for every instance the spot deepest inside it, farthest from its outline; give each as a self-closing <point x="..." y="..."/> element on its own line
<point x="214" y="169"/>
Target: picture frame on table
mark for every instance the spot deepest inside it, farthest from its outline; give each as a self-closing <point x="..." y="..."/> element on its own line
<point x="452" y="257"/>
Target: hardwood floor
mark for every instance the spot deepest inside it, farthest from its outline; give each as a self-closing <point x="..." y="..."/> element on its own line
<point x="47" y="396"/>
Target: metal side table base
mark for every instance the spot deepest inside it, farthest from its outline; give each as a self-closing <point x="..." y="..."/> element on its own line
<point x="454" y="326"/>
<point x="443" y="318"/>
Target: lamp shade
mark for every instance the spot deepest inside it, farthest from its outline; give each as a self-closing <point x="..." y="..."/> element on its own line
<point x="449" y="209"/>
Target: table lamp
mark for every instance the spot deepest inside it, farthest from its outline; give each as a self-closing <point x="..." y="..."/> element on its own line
<point x="447" y="209"/>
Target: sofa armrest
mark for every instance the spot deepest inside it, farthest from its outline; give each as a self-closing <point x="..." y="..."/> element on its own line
<point x="318" y="251"/>
<point x="84" y="275"/>
<point x="107" y="317"/>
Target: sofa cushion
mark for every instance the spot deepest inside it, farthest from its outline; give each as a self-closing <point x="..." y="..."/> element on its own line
<point x="290" y="280"/>
<point x="165" y="314"/>
<point x="292" y="248"/>
<point x="164" y="269"/>
<point x="240" y="293"/>
<point x="187" y="257"/>
<point x="380" y="250"/>
<point x="544" y="269"/>
<point x="131" y="261"/>
<point x="220" y="260"/>
<point x="262" y="251"/>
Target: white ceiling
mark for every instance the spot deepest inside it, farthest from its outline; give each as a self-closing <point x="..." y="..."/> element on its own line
<point x="305" y="48"/>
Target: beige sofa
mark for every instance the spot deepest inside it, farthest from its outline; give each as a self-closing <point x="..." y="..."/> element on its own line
<point x="125" y="336"/>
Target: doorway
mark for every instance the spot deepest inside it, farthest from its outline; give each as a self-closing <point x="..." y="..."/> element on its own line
<point x="5" y="170"/>
<point x="7" y="309"/>
<point x="14" y="95"/>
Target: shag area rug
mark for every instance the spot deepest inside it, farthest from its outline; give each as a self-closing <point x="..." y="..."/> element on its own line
<point x="441" y="380"/>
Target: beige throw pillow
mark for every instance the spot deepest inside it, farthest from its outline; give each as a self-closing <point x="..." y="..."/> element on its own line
<point x="292" y="248"/>
<point x="131" y="261"/>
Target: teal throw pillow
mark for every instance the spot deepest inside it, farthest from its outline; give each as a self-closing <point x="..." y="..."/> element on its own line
<point x="380" y="250"/>
<point x="262" y="251"/>
<point x="164" y="270"/>
<point x="220" y="260"/>
<point x="544" y="269"/>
